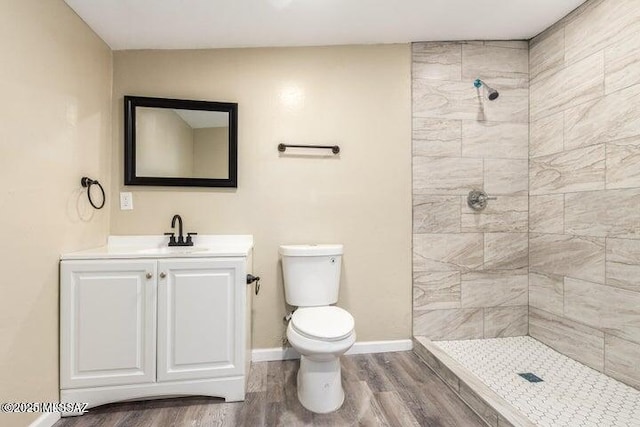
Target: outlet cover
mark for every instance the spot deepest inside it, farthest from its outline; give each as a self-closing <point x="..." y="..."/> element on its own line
<point x="126" y="201"/>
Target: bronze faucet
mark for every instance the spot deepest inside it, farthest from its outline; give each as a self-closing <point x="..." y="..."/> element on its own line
<point x="181" y="241"/>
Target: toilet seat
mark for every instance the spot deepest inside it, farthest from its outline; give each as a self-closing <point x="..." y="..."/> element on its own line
<point x="326" y="323"/>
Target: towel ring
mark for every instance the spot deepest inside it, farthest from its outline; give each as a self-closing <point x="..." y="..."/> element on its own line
<point x="87" y="182"/>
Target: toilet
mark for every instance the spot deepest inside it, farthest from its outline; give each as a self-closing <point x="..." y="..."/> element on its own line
<point x="318" y="330"/>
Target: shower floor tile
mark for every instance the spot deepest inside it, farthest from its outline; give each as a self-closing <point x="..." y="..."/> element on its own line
<point x="570" y="394"/>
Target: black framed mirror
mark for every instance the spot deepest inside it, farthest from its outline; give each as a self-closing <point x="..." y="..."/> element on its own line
<point x="179" y="142"/>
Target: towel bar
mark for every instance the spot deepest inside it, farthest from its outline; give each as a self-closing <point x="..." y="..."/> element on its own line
<point x="334" y="148"/>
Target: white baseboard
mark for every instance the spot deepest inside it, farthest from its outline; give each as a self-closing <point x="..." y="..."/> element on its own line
<point x="275" y="353"/>
<point x="380" y="346"/>
<point x="46" y="420"/>
<point x="287" y="353"/>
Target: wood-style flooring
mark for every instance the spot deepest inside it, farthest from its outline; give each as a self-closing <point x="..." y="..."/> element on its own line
<point x="385" y="389"/>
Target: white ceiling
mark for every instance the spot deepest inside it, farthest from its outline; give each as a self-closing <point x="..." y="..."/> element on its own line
<point x="191" y="24"/>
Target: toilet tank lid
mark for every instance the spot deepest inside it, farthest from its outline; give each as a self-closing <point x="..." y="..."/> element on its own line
<point x="310" y="250"/>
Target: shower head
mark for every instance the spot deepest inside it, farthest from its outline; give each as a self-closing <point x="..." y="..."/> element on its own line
<point x="492" y="94"/>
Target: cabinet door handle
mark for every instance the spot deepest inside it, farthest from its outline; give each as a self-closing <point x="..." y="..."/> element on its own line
<point x="149" y="275"/>
<point x="163" y="275"/>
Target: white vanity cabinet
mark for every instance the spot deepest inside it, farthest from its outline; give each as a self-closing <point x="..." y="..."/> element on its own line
<point x="139" y="326"/>
<point x="198" y="315"/>
<point x="108" y="323"/>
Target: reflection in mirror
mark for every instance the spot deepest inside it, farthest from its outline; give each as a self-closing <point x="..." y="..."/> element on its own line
<point x="180" y="142"/>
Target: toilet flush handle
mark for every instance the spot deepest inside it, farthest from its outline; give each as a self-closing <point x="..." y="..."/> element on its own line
<point x="288" y="316"/>
<point x="251" y="278"/>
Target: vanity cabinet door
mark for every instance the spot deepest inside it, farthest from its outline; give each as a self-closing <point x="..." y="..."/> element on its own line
<point x="201" y="326"/>
<point x="107" y="323"/>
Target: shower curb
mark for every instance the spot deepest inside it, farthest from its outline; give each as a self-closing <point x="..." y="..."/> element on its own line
<point x="493" y="409"/>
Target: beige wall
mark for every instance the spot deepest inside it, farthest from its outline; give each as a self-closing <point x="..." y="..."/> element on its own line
<point x="355" y="96"/>
<point x="164" y="143"/>
<point x="470" y="268"/>
<point x="585" y="187"/>
<point x="55" y="127"/>
<point x="211" y="152"/>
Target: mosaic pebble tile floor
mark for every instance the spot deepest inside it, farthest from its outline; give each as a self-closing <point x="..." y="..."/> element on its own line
<point x="571" y="394"/>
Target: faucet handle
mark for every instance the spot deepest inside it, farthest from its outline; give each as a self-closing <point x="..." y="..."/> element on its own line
<point x="172" y="238"/>
<point x="189" y="239"/>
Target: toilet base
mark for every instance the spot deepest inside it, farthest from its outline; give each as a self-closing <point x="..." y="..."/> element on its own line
<point x="320" y="384"/>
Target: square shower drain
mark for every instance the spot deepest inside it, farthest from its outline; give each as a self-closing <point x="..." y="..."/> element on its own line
<point x="532" y="378"/>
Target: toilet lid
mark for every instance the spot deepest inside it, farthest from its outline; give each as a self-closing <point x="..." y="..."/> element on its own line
<point x="327" y="323"/>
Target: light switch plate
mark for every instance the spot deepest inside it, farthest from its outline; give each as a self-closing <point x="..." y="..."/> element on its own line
<point x="126" y="201"/>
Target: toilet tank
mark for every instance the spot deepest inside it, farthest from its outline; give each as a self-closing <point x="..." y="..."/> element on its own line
<point x="311" y="274"/>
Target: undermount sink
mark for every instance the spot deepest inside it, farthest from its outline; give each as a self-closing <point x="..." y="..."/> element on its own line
<point x="173" y="250"/>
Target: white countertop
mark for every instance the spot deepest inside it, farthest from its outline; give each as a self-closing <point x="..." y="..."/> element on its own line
<point x="129" y="247"/>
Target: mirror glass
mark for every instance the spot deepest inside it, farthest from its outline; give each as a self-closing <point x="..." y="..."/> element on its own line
<point x="180" y="142"/>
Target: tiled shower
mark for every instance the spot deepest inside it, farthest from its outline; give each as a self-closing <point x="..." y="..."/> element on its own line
<point x="557" y="255"/>
<point x="584" y="241"/>
<point x="470" y="269"/>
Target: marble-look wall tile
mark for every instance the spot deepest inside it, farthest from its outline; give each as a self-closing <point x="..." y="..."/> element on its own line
<point x="575" y="256"/>
<point x="447" y="252"/>
<point x="456" y="131"/>
<point x="446" y="175"/>
<point x="436" y="290"/>
<point x="503" y="67"/>
<point x="546" y="292"/>
<point x="623" y="264"/>
<point x="494" y="288"/>
<point x="602" y="23"/>
<point x="570" y="86"/>
<point x="506" y="214"/>
<point x="506" y="251"/>
<point x="546" y="136"/>
<point x="454" y="324"/>
<point x="437" y="137"/>
<point x="622" y="64"/>
<point x="437" y="60"/>
<point x="461" y="100"/>
<point x="585" y="187"/>
<point x="621" y="360"/>
<point x="512" y="44"/>
<point x="502" y="322"/>
<point x="546" y="53"/>
<point x="436" y="214"/>
<point x="580" y="342"/>
<point x="495" y="139"/>
<point x="610" y="118"/>
<point x="611" y="213"/>
<point x="623" y="163"/>
<point x="582" y="169"/>
<point x="506" y="177"/>
<point x="546" y="214"/>
<point x="610" y="309"/>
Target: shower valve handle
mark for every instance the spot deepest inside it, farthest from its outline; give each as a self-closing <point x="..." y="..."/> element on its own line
<point x="478" y="200"/>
